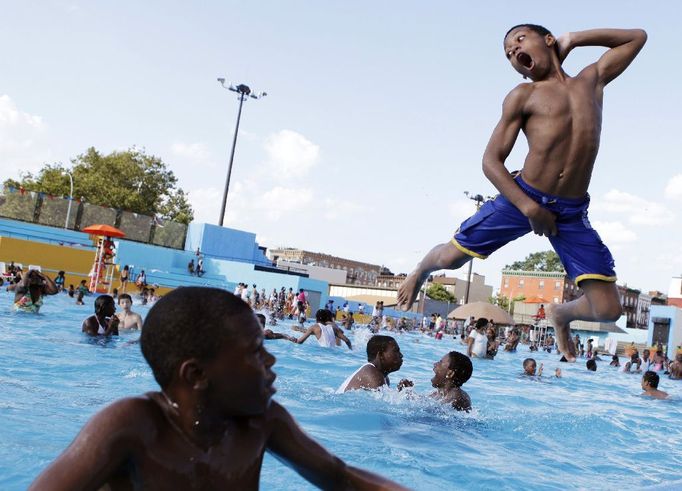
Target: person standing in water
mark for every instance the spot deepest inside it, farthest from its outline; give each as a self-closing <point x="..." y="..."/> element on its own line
<point x="29" y="292"/>
<point x="561" y="117"/>
<point x="383" y="357"/>
<point x="211" y="422"/>
<point x="103" y="322"/>
<point x="325" y="330"/>
<point x="128" y="319"/>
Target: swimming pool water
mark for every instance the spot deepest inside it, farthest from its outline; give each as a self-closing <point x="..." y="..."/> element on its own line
<point x="586" y="430"/>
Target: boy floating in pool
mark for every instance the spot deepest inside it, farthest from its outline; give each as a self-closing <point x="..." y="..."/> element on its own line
<point x="213" y="419"/>
<point x="561" y="118"/>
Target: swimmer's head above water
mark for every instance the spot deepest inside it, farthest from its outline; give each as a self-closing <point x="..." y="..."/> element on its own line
<point x="384" y="353"/>
<point x="454" y="369"/>
<point x="207" y="341"/>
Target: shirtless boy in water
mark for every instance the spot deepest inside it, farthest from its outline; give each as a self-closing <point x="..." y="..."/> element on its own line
<point x="212" y="421"/>
<point x="561" y="118"/>
<point x="128" y="318"/>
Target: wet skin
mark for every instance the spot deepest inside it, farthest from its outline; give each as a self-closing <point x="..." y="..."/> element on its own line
<point x="208" y="430"/>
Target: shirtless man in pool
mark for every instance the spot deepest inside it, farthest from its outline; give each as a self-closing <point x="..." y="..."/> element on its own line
<point x="213" y="419"/>
<point x="561" y="118"/>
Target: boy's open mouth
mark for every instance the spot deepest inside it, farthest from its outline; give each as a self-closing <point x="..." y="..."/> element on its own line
<point x="525" y="60"/>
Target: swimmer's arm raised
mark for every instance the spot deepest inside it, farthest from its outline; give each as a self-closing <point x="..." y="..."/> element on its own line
<point x="625" y="44"/>
<point x="289" y="443"/>
<point x="97" y="452"/>
<point x="499" y="147"/>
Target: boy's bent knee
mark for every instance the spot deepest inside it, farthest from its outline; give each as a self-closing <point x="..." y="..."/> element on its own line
<point x="608" y="311"/>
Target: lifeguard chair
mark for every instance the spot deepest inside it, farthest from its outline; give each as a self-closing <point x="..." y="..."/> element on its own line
<point x="102" y="272"/>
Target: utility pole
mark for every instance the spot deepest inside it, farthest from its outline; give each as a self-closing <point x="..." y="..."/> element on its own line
<point x="479" y="199"/>
<point x="244" y="92"/>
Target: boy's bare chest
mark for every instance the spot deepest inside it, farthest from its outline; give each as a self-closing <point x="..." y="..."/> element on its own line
<point x="172" y="463"/>
<point x="575" y="100"/>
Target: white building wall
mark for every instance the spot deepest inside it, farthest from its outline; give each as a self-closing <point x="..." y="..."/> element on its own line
<point x="329" y="275"/>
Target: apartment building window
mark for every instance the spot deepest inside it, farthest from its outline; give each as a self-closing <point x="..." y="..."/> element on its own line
<point x="557" y="285"/>
<point x="541" y="284"/>
<point x="556" y="299"/>
<point x="506" y="282"/>
<point x="521" y="282"/>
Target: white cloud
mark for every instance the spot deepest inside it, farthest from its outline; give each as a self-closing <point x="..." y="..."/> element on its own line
<point x="206" y="203"/>
<point x="614" y="232"/>
<point x="281" y="202"/>
<point x="639" y="211"/>
<point x="343" y="209"/>
<point x="291" y="154"/>
<point x="197" y="151"/>
<point x="673" y="190"/>
<point x="22" y="145"/>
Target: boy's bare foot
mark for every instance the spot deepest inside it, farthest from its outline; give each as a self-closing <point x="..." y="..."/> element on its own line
<point x="563" y="333"/>
<point x="409" y="289"/>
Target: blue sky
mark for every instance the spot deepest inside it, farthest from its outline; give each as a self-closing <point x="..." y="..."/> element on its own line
<point x="375" y="123"/>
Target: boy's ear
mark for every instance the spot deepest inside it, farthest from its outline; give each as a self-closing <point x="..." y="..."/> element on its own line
<point x="192" y="373"/>
<point x="550" y="40"/>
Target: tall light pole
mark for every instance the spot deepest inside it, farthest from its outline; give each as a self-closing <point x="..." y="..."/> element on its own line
<point x="244" y="92"/>
<point x="68" y="210"/>
<point x="479" y="199"/>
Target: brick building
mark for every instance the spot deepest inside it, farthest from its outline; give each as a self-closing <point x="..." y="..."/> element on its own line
<point x="551" y="285"/>
<point x="358" y="273"/>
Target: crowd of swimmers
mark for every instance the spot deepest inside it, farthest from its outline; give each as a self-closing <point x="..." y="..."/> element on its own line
<point x="186" y="352"/>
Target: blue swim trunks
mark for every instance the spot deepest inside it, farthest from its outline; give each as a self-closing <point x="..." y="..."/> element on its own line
<point x="498" y="222"/>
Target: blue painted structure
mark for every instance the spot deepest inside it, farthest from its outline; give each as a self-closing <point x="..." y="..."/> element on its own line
<point x="230" y="257"/>
<point x="225" y="243"/>
<point x="42" y="233"/>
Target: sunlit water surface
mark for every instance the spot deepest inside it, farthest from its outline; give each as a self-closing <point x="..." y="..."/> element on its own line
<point x="585" y="430"/>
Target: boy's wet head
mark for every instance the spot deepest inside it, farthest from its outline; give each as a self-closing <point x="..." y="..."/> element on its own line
<point x="207" y="339"/>
<point x="454" y="367"/>
<point x="591" y="365"/>
<point x="530" y="48"/>
<point x="105" y="305"/>
<point x="529" y="366"/>
<point x="324" y="316"/>
<point x="387" y="349"/>
<point x="650" y="380"/>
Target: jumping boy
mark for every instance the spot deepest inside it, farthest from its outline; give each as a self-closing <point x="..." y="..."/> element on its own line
<point x="561" y="118"/>
<point x="213" y="419"/>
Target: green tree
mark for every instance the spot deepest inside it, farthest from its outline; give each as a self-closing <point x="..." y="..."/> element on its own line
<point x="436" y="291"/>
<point x="502" y="301"/>
<point x="538" y="261"/>
<point x="130" y="180"/>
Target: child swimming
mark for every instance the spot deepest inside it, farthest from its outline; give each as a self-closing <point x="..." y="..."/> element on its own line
<point x="450" y="373"/>
<point x="561" y="117"/>
<point x="383" y="357"/>
<point x="213" y="419"/>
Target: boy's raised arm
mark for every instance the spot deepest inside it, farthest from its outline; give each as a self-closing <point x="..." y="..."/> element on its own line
<point x="312" y="461"/>
<point x="625" y="44"/>
<point x="96" y="452"/>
